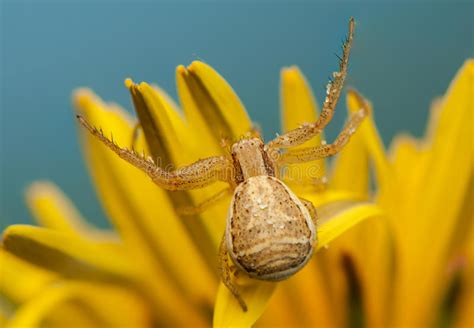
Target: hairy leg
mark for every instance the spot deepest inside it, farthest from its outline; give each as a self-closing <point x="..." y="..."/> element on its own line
<point x="307" y="131"/>
<point x="226" y="274"/>
<point x="197" y="175"/>
<point x="314" y="153"/>
<point x="191" y="210"/>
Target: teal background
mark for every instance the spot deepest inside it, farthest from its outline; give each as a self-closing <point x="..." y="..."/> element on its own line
<point x="405" y="54"/>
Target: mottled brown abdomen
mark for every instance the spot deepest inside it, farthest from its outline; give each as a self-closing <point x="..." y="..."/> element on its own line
<point x="269" y="233"/>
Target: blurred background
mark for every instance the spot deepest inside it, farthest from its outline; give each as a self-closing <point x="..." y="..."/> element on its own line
<point x="405" y="55"/>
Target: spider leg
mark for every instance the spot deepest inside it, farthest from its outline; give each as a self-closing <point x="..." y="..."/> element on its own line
<point x="199" y="208"/>
<point x="307" y="131"/>
<point x="196" y="175"/>
<point x="226" y="274"/>
<point x="314" y="153"/>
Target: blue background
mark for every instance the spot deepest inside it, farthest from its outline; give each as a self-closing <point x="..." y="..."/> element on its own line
<point x="405" y="54"/>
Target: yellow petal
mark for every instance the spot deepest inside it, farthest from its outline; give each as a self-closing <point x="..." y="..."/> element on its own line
<point x="228" y="313"/>
<point x="134" y="202"/>
<point x="278" y="312"/>
<point x="464" y="311"/>
<point x="52" y="209"/>
<point x="20" y="280"/>
<point x="350" y="171"/>
<point x="298" y="106"/>
<point x="372" y="140"/>
<point x="369" y="243"/>
<point x="369" y="248"/>
<point x="145" y="218"/>
<point x="294" y="306"/>
<point x="75" y="258"/>
<point x="338" y="217"/>
<point x="335" y="218"/>
<point x="410" y="162"/>
<point x="160" y="123"/>
<point x="445" y="182"/>
<point x="217" y="103"/>
<point x="174" y="144"/>
<point x="194" y="117"/>
<point x="65" y="253"/>
<point x="354" y="244"/>
<point x="85" y="305"/>
<point x="33" y="313"/>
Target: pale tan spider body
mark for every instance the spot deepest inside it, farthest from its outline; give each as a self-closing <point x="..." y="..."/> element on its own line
<point x="270" y="232"/>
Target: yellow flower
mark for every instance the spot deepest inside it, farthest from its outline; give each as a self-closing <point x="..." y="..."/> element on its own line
<point x="164" y="265"/>
<point x="160" y="268"/>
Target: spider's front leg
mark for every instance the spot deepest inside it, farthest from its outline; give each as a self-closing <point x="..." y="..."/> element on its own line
<point x="197" y="175"/>
<point x="313" y="153"/>
<point x="307" y="131"/>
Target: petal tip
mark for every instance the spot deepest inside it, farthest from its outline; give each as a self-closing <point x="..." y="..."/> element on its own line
<point x="181" y="72"/>
<point x="39" y="188"/>
<point x="129" y="83"/>
<point x="83" y="98"/>
<point x="291" y="74"/>
<point x="469" y="64"/>
<point x="355" y="101"/>
<point x="142" y="85"/>
<point x="195" y="65"/>
<point x="290" y="70"/>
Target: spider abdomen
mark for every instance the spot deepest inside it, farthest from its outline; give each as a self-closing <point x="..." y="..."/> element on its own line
<point x="270" y="232"/>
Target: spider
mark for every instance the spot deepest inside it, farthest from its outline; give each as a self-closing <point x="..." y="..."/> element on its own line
<point x="270" y="232"/>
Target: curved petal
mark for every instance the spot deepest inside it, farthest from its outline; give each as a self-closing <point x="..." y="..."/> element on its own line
<point x="436" y="207"/>
<point x="82" y="304"/>
<point x="66" y="254"/>
<point x="52" y="209"/>
<point x="228" y="313"/>
<point x="298" y="106"/>
<point x="410" y="161"/>
<point x="174" y="143"/>
<point x="294" y="306"/>
<point x="33" y="313"/>
<point x="19" y="279"/>
<point x="160" y="123"/>
<point x="372" y="141"/>
<point x="350" y="171"/>
<point x="206" y="96"/>
<point x="143" y="213"/>
<point x="75" y="258"/>
<point x="338" y="217"/>
<point x="464" y="311"/>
